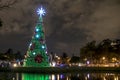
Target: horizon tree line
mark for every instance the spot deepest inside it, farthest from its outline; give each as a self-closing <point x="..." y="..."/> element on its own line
<point x="10" y="55"/>
<point x="106" y="48"/>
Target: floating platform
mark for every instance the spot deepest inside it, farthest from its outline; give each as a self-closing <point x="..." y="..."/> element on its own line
<point x="49" y="70"/>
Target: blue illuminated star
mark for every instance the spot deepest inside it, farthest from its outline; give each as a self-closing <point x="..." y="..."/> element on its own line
<point x="41" y="12"/>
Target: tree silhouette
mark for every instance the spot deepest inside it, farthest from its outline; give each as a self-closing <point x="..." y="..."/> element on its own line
<point x="75" y="59"/>
<point x="10" y="54"/>
<point x="9" y="51"/>
<point x="18" y="56"/>
<point x="107" y="48"/>
<point x="6" y="4"/>
<point x="64" y="58"/>
<point x="0" y="23"/>
<point x="64" y="55"/>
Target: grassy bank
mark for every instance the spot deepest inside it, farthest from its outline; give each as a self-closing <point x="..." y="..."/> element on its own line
<point x="61" y="70"/>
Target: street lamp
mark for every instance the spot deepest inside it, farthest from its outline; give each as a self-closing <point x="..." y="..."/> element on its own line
<point x="103" y="58"/>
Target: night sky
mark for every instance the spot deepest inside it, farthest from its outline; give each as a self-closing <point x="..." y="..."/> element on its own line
<point x="69" y="24"/>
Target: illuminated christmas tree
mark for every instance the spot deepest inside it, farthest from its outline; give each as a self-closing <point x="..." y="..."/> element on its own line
<point x="37" y="52"/>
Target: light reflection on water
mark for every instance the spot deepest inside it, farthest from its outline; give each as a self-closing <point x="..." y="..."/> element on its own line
<point x="65" y="76"/>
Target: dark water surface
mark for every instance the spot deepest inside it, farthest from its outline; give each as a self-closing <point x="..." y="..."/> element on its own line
<point x="64" y="76"/>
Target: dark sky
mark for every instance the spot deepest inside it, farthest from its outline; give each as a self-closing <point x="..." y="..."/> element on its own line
<point x="69" y="24"/>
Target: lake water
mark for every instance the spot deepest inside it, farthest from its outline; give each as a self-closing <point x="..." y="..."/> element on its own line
<point x="64" y="76"/>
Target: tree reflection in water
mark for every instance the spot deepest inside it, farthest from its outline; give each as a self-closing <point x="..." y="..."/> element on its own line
<point x="27" y="76"/>
<point x="65" y="76"/>
<point x="74" y="76"/>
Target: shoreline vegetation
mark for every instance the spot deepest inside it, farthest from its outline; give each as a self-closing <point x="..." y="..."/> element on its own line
<point x="49" y="70"/>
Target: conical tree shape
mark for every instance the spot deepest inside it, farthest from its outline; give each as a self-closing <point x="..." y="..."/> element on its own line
<point x="37" y="52"/>
<point x="26" y="76"/>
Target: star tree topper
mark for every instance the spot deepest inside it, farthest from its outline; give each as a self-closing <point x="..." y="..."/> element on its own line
<point x="41" y="12"/>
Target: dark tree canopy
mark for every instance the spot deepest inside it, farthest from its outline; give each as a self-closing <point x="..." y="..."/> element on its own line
<point x="0" y="23"/>
<point x="6" y="4"/>
<point x="9" y="51"/>
<point x="75" y="59"/>
<point x="108" y="48"/>
<point x="64" y="55"/>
